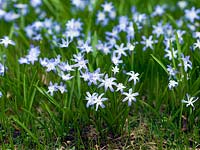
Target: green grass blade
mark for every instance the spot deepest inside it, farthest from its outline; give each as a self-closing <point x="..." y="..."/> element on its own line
<point x="51" y="99"/>
<point x="160" y="63"/>
<point x="32" y="97"/>
<point x="38" y="120"/>
<point x="24" y="90"/>
<point x="49" y="6"/>
<point x="26" y="129"/>
<point x="150" y="107"/>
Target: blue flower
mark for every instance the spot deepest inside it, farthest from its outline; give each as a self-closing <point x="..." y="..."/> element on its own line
<point x="120" y="49"/>
<point x="130" y="96"/>
<point x="171" y="54"/>
<point x="11" y="16"/>
<point x="81" y="4"/>
<point x="134" y="77"/>
<point x="33" y="54"/>
<point x="73" y="28"/>
<point x="192" y="14"/>
<point x="2" y="69"/>
<point x="6" y="41"/>
<point x="80" y="61"/>
<point x="107" y="7"/>
<point x="108" y="83"/>
<point x="190" y="100"/>
<point x="65" y="43"/>
<point x="148" y="42"/>
<point x="1" y="94"/>
<point x="197" y="44"/>
<point x="52" y="88"/>
<point x="35" y="3"/>
<point x="158" y="29"/>
<point x="186" y="62"/>
<point x="159" y="10"/>
<point x="62" y="88"/>
<point x="172" y="84"/>
<point x="95" y="99"/>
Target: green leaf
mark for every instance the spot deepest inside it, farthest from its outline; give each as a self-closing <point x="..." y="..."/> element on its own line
<point x="36" y="118"/>
<point x="150" y="107"/>
<point x="173" y="21"/>
<point x="32" y="97"/>
<point x="26" y="129"/>
<point x="178" y="45"/>
<point x="49" y="6"/>
<point x="160" y="63"/>
<point x="51" y="99"/>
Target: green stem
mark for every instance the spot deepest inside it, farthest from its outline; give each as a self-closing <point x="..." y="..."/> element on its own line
<point x="180" y="117"/>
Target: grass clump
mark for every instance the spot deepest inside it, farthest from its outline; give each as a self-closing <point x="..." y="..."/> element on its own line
<point x="99" y="74"/>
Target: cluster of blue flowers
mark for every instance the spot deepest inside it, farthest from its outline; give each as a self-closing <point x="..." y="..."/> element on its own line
<point x="60" y="36"/>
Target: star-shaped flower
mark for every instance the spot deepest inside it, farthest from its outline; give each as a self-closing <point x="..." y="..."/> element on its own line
<point x="108" y="83"/>
<point x="190" y="100"/>
<point x="134" y="76"/>
<point x="6" y="41"/>
<point x="192" y="14"/>
<point x="197" y="44"/>
<point x="130" y="96"/>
